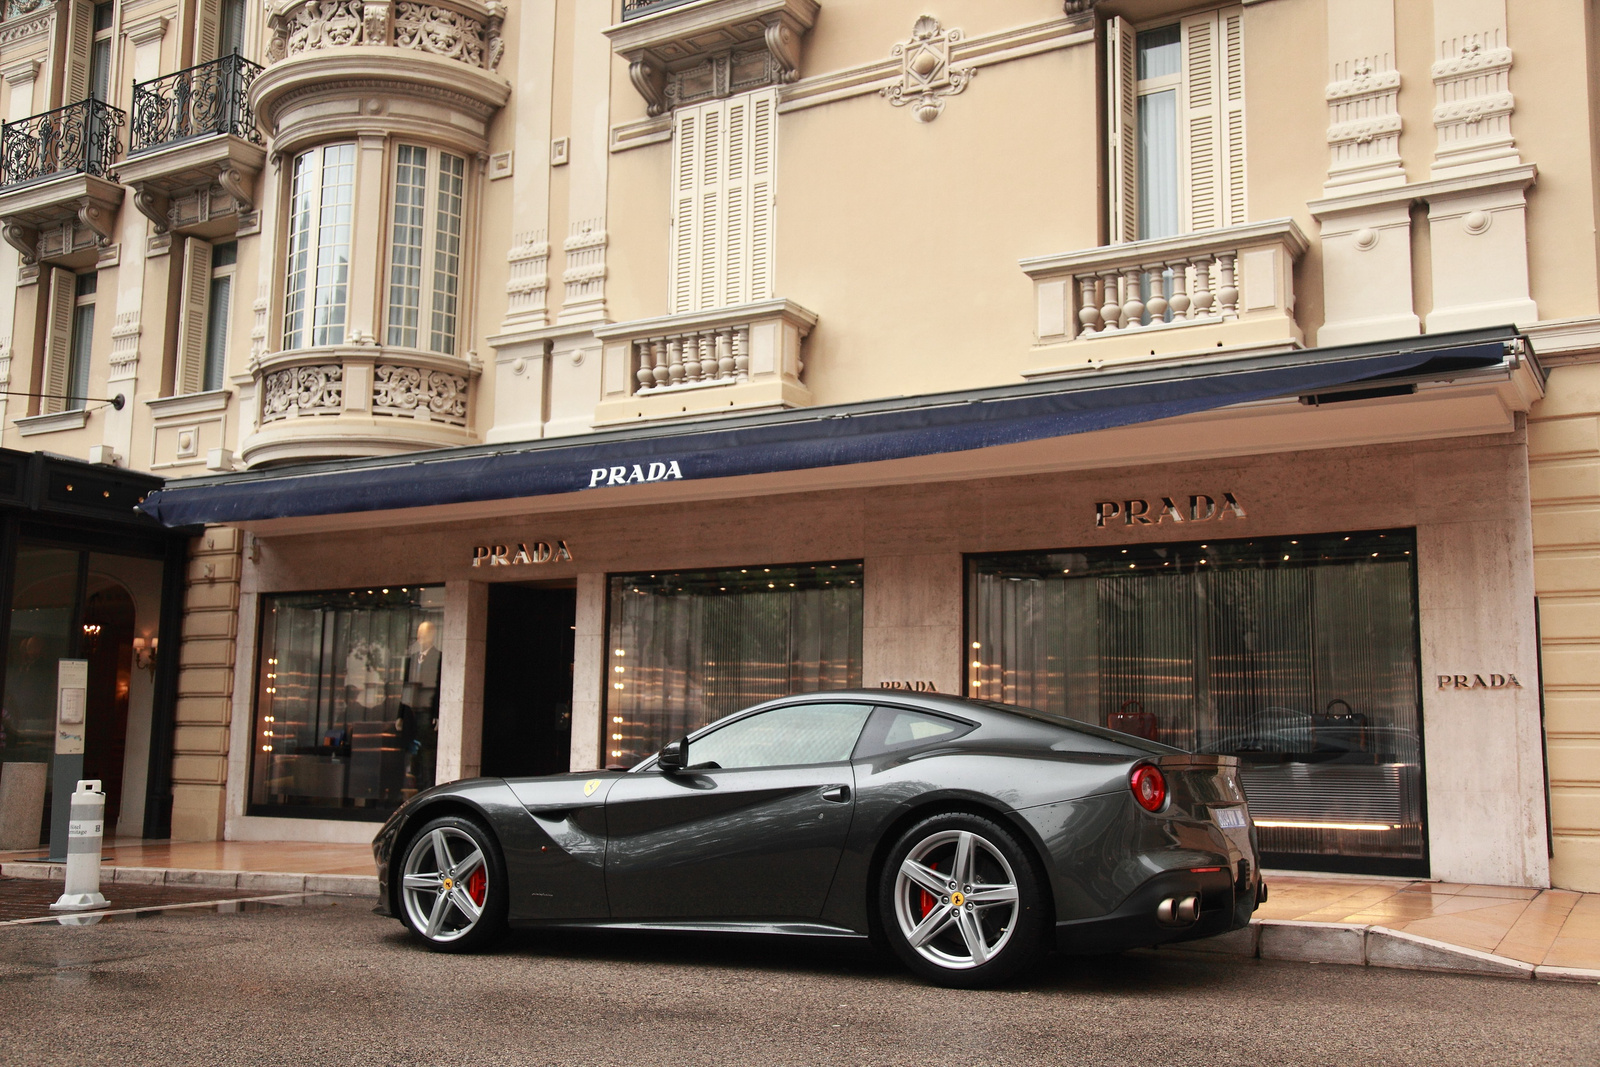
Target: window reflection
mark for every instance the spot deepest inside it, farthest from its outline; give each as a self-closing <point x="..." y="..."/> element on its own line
<point x="687" y="648"/>
<point x="347" y="704"/>
<point x="1299" y="655"/>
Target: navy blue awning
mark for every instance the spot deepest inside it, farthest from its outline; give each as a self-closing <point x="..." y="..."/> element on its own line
<point x="808" y="438"/>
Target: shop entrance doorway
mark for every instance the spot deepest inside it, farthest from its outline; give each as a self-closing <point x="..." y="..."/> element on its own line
<point x="527" y="682"/>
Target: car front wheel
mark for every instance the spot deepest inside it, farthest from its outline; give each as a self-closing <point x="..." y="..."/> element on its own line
<point x="960" y="902"/>
<point x="453" y="890"/>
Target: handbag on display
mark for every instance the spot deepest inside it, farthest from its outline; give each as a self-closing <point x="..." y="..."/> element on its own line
<point x="1345" y="731"/>
<point x="1138" y="722"/>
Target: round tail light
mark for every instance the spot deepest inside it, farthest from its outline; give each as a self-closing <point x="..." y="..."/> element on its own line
<point x="1149" y="787"/>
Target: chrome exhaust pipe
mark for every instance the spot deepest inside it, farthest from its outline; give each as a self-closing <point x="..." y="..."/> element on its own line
<point x="1178" y="911"/>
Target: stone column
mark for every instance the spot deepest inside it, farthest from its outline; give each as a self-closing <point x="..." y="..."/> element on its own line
<point x="1363" y="93"/>
<point x="205" y="687"/>
<point x="911" y="621"/>
<point x="1472" y="88"/>
<point x="589" y="675"/>
<point x="466" y="622"/>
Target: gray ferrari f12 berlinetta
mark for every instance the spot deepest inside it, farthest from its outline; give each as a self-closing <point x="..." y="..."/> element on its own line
<point x="968" y="837"/>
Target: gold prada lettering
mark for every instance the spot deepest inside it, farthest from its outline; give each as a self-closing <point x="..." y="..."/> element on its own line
<point x="1200" y="507"/>
<point x="525" y="553"/>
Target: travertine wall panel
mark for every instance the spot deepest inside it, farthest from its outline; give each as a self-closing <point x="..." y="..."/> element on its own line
<point x="205" y="687"/>
<point x="1564" y="456"/>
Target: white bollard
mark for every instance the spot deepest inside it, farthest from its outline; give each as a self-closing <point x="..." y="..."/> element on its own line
<point x="88" y="816"/>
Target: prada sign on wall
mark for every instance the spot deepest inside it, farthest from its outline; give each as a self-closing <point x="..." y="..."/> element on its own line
<point x="521" y="553"/>
<point x="1198" y="507"/>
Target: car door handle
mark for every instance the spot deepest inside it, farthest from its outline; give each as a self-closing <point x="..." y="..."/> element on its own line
<point x="838" y="794"/>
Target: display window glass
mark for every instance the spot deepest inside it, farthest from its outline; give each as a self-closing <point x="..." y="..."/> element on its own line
<point x="347" y="701"/>
<point x="1299" y="655"/>
<point x="689" y="647"/>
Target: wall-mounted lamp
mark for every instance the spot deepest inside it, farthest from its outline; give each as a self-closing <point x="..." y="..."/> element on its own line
<point x="144" y="653"/>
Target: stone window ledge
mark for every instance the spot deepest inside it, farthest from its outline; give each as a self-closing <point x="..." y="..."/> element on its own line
<point x="59" y="420"/>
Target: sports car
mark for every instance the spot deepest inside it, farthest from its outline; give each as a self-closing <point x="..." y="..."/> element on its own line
<point x="968" y="837"/>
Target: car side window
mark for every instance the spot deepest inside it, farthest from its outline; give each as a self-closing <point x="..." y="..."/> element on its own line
<point x="783" y="737"/>
<point x="895" y="729"/>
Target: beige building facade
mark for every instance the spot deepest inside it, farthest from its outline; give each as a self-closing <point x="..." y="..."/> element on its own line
<point x="535" y="379"/>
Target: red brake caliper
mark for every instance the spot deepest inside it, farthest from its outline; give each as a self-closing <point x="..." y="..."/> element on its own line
<point x="925" y="899"/>
<point x="477" y="885"/>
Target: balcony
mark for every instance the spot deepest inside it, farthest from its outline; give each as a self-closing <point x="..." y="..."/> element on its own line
<point x="740" y="359"/>
<point x="685" y="51"/>
<point x="341" y="402"/>
<point x="1228" y="290"/>
<point x="340" y="67"/>
<point x="194" y="151"/>
<point x="58" y="194"/>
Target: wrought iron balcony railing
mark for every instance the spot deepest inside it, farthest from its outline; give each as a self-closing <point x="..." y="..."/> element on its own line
<point x="638" y="9"/>
<point x="80" y="138"/>
<point x="203" y="100"/>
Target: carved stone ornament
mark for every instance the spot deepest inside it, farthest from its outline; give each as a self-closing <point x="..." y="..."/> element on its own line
<point x="926" y="77"/>
<point x="400" y="390"/>
<point x="316" y="390"/>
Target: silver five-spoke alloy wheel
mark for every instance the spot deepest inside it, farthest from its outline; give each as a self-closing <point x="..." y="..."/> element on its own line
<point x="956" y="899"/>
<point x="445" y="884"/>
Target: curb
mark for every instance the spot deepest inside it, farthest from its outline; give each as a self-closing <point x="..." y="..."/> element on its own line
<point x="354" y="885"/>
<point x="1371" y="946"/>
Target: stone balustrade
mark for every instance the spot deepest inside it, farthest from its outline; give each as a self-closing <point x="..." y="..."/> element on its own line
<point x="732" y="359"/>
<point x="358" y="401"/>
<point x="1211" y="277"/>
<point x="467" y="31"/>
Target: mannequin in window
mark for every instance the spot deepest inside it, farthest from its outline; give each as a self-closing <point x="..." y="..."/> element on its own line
<point x="419" y="708"/>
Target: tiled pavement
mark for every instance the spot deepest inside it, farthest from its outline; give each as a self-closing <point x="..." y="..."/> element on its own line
<point x="1549" y="927"/>
<point x="1525" y="929"/>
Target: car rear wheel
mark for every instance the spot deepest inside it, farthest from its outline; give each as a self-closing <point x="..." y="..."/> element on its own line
<point x="453" y="890"/>
<point x="960" y="902"/>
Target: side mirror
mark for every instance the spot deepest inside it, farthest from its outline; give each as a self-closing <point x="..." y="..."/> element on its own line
<point x="674" y="757"/>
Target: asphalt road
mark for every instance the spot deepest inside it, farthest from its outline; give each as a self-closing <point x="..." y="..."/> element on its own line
<point x="336" y="985"/>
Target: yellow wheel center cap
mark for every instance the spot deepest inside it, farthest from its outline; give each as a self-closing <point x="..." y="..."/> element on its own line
<point x="448" y="884"/>
<point x="958" y="899"/>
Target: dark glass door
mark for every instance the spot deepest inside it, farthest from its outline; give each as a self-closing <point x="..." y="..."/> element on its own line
<point x="527" y="681"/>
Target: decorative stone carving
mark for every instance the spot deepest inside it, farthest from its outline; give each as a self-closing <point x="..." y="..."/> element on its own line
<point x="585" y="274"/>
<point x="1364" y="122"/>
<point x="713" y="49"/>
<point x="440" y="31"/>
<point x="323" y="24"/>
<point x="926" y="76"/>
<point x="125" y="346"/>
<point x="400" y="390"/>
<point x="529" y="282"/>
<point x="258" y="328"/>
<point x="313" y="390"/>
<point x="1473" y="102"/>
<point x="458" y="31"/>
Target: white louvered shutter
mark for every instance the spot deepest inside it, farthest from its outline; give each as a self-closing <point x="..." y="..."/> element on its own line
<point x="763" y="198"/>
<point x="1230" y="40"/>
<point x="80" y="43"/>
<point x="1122" y="165"/>
<point x="1201" y="148"/>
<point x="208" y="30"/>
<point x="58" y="340"/>
<point x="709" y="204"/>
<point x="685" y="175"/>
<point x="195" y="297"/>
<point x="733" y="269"/>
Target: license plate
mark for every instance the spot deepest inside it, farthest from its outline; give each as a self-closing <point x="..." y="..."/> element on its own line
<point x="1230" y="818"/>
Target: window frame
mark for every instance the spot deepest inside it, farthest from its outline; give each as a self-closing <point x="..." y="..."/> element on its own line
<point x="435" y="329"/>
<point x="80" y="343"/>
<point x="299" y="328"/>
<point x="216" y="358"/>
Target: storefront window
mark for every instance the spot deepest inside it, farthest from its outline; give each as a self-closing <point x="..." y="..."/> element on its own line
<point x="690" y="647"/>
<point x="1299" y="655"/>
<point x="347" y="705"/>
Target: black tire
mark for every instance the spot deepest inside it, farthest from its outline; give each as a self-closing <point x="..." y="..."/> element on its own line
<point x="453" y="928"/>
<point x="1013" y="938"/>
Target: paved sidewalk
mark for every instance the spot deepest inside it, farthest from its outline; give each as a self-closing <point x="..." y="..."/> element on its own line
<point x="1502" y="930"/>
